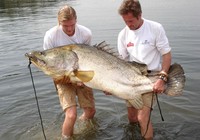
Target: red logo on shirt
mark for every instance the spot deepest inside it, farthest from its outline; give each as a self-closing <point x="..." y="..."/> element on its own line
<point x="130" y="44"/>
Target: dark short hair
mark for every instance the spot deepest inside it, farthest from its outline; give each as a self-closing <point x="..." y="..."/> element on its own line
<point x="130" y="6"/>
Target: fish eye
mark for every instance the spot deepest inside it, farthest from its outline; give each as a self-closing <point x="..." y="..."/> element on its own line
<point x="41" y="53"/>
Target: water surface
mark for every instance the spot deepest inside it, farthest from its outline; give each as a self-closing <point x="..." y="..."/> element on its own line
<point x="22" y="27"/>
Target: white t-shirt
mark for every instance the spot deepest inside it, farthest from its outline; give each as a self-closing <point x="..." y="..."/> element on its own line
<point x="55" y="37"/>
<point x="144" y="45"/>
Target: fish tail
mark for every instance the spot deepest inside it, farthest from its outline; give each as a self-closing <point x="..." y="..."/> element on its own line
<point x="176" y="80"/>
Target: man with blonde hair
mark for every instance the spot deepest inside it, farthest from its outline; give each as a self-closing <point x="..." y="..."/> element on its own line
<point x="69" y="32"/>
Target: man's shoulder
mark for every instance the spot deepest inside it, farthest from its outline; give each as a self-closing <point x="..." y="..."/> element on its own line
<point x="53" y="29"/>
<point x="83" y="28"/>
<point x="123" y="31"/>
<point x="84" y="31"/>
<point x="152" y="23"/>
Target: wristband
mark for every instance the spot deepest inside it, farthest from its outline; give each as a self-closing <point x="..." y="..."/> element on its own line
<point x="163" y="77"/>
<point x="163" y="73"/>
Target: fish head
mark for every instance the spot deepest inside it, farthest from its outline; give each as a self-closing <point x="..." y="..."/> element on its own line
<point x="54" y="62"/>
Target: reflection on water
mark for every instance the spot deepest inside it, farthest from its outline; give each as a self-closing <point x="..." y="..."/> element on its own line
<point x="22" y="27"/>
<point x="23" y="8"/>
<point x="8" y="4"/>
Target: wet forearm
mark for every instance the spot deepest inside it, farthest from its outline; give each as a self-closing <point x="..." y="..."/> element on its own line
<point x="166" y="62"/>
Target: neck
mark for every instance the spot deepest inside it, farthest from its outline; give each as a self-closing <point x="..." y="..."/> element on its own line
<point x="140" y="23"/>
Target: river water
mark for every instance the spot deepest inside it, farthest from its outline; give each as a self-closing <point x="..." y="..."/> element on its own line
<point x="23" y="24"/>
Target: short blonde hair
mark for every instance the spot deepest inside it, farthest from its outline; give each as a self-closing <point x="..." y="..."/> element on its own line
<point x="66" y="13"/>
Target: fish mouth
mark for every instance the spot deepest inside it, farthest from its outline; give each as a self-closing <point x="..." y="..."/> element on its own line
<point x="28" y="55"/>
<point x="35" y="60"/>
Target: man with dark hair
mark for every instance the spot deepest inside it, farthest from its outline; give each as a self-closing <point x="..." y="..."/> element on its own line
<point x="145" y="42"/>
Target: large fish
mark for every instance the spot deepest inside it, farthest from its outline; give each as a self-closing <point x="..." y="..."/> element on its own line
<point x="99" y="68"/>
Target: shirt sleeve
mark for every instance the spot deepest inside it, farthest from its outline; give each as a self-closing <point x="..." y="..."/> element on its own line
<point x="121" y="45"/>
<point x="88" y="37"/>
<point x="48" y="43"/>
<point x="84" y="34"/>
<point x="162" y="42"/>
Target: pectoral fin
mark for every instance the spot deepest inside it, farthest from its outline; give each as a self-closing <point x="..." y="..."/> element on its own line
<point x="84" y="76"/>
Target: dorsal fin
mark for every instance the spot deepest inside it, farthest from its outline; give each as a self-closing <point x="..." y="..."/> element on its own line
<point x="106" y="48"/>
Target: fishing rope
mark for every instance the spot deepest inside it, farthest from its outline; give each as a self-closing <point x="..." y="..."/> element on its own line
<point x="159" y="108"/>
<point x="29" y="66"/>
<point x="150" y="113"/>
